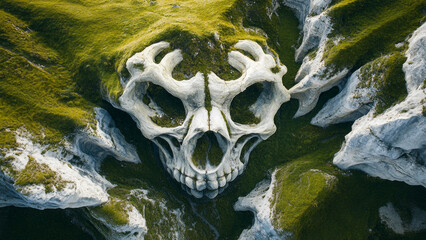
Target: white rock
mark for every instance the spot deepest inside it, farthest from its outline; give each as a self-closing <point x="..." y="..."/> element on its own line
<point x="415" y="66"/>
<point x="258" y="201"/>
<point x="392" y="145"/>
<point x="350" y="104"/>
<point x="389" y="215"/>
<point x="303" y="8"/>
<point x="82" y="185"/>
<point x="313" y="76"/>
<point x="135" y="229"/>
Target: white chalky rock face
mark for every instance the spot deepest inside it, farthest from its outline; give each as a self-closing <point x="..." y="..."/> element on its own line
<point x="178" y="144"/>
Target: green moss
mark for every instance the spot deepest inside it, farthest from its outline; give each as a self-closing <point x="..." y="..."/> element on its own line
<point x="385" y="74"/>
<point x="227" y="124"/>
<point x="208" y="98"/>
<point x="114" y="211"/>
<point x="215" y="153"/>
<point x="172" y="107"/>
<point x="240" y="106"/>
<point x="370" y="28"/>
<point x="313" y="53"/>
<point x="299" y="186"/>
<point x="6" y="165"/>
<point x="199" y="157"/>
<point x="39" y="173"/>
<point x="276" y="69"/>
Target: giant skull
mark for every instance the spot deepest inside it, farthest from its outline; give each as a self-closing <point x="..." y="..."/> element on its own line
<point x="206" y="127"/>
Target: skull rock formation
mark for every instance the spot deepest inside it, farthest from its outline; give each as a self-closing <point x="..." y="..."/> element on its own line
<point x="205" y="148"/>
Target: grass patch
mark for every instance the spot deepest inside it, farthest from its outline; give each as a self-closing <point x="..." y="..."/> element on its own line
<point x="97" y="37"/>
<point x="36" y="173"/>
<point x="36" y="91"/>
<point x="240" y="105"/>
<point x="114" y="211"/>
<point x="370" y="29"/>
<point x="385" y="74"/>
<point x="172" y="107"/>
<point x="301" y="185"/>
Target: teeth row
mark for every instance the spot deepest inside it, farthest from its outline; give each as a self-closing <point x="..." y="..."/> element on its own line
<point x="209" y="183"/>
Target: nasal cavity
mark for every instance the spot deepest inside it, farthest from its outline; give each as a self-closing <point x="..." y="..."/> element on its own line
<point x="208" y="151"/>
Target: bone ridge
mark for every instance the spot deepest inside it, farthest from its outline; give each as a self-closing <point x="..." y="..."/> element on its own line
<point x="211" y="180"/>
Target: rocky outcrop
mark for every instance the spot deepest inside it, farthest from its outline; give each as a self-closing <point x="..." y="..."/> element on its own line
<point x="134" y="229"/>
<point x="258" y="201"/>
<point x="42" y="176"/>
<point x="313" y="77"/>
<point x="358" y="96"/>
<point x="350" y="104"/>
<point x="392" y="145"/>
<point x="105" y="141"/>
<point x="303" y="8"/>
<point x="392" y="219"/>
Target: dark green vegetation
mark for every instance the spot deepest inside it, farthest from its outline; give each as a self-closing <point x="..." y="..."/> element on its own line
<point x="240" y="106"/>
<point x="199" y="156"/>
<point x="302" y="184"/>
<point x="207" y="148"/>
<point x="385" y="74"/>
<point x="172" y="107"/>
<point x="31" y="224"/>
<point x="371" y="28"/>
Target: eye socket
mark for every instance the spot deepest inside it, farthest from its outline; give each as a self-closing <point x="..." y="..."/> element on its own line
<point x="171" y="110"/>
<point x="240" y="105"/>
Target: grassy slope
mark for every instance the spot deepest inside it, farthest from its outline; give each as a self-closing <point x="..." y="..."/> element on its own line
<point x="370" y="29"/>
<point x="91" y="42"/>
<point x="36" y="90"/>
<point x="97" y="37"/>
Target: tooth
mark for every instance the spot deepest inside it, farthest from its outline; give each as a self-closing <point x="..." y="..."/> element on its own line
<point x="179" y="165"/>
<point x="220" y="172"/>
<point x="201" y="176"/>
<point x="196" y="193"/>
<point x="228" y="177"/>
<point x="222" y="181"/>
<point x="234" y="174"/>
<point x="182" y="178"/>
<point x="212" y="194"/>
<point x="176" y="174"/>
<point x="212" y="185"/>
<point x="183" y="169"/>
<point x="189" y="172"/>
<point x="189" y="182"/>
<point x="212" y="176"/>
<point x="200" y="185"/>
<point x="227" y="169"/>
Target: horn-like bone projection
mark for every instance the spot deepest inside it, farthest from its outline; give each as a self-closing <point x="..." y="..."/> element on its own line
<point x="207" y="149"/>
